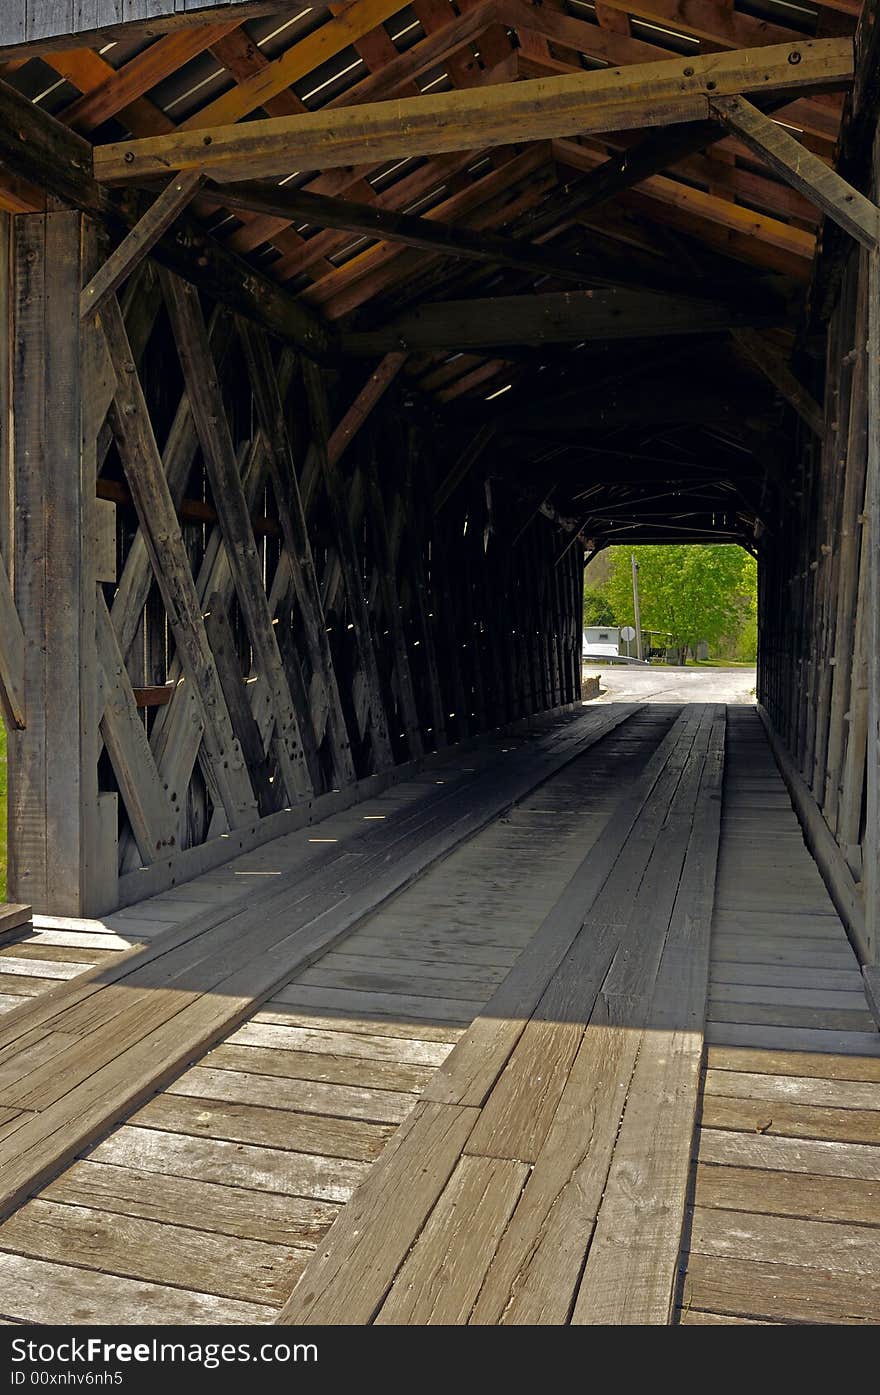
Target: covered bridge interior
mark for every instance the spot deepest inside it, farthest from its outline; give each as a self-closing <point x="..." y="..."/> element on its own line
<point x="339" y="339"/>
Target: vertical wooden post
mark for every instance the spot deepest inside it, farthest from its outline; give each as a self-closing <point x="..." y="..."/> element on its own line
<point x="53" y="762"/>
<point x="871" y="849"/>
<point x="5" y="386"/>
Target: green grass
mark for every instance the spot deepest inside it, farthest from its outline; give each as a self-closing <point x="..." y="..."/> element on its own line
<point x="722" y="663"/>
<point x="2" y="812"/>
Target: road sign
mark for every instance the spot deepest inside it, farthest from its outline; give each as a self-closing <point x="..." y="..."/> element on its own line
<point x="627" y="633"/>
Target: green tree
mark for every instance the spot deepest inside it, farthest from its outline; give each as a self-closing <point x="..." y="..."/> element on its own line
<point x="598" y="609"/>
<point x="690" y="592"/>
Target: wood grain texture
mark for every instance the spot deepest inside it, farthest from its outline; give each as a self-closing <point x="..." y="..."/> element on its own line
<point x="442" y="1276"/>
<point x="349" y="1278"/>
<point x="654" y="94"/>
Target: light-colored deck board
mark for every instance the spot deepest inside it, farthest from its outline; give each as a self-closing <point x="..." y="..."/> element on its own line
<point x="134" y="1248"/>
<point x="793" y="1089"/>
<point x="232" y="1164"/>
<point x="778" y="1118"/>
<point x="302" y="1096"/>
<point x="829" y="1247"/>
<point x="774" y="1193"/>
<point x="823" y="1066"/>
<point x="441" y="1277"/>
<point x="368" y="1040"/>
<point x="225" y="1210"/>
<point x="324" y="1134"/>
<point x="37" y="1291"/>
<point x="820" y="1157"/>
<point x="396" y="1076"/>
<point x="786" y="1292"/>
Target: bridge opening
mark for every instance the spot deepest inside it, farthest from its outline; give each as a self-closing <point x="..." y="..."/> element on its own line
<point x="692" y="603"/>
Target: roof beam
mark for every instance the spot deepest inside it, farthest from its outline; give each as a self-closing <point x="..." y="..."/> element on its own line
<point x="37" y="147"/>
<point x="143" y="72"/>
<point x="775" y="368"/>
<point x="759" y="227"/>
<point x="654" y="153"/>
<point x="571" y="37"/>
<point x="302" y="58"/>
<point x="802" y="169"/>
<point x="555" y="318"/>
<point x="651" y="94"/>
<point x="426" y="233"/>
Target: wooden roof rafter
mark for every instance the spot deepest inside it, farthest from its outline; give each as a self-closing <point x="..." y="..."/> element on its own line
<point x="438" y="24"/>
<point x="726" y="200"/>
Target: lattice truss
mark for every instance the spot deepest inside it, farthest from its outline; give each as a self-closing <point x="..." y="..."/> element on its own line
<point x="284" y="616"/>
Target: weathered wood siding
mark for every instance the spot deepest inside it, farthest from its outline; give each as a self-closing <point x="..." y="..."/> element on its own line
<point x="819" y="608"/>
<point x="31" y="21"/>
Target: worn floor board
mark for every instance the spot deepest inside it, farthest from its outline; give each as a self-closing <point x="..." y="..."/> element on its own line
<point x="89" y="1297"/>
<point x="785" y="1224"/>
<point x="135" y="1248"/>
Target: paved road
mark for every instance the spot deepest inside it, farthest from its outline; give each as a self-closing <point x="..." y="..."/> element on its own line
<point x="660" y="683"/>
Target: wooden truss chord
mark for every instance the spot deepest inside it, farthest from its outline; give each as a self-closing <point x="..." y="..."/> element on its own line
<point x="463" y="466"/>
<point x="772" y="364"/>
<point x="387" y="570"/>
<point x="649" y="94"/>
<point x="176" y="736"/>
<point x="177" y="461"/>
<point x="376" y="385"/>
<point x="269" y="793"/>
<point x="427" y="234"/>
<point x="557" y="317"/>
<point x="151" y="809"/>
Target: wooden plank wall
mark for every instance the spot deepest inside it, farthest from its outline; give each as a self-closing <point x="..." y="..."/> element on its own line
<point x="819" y="604"/>
<point x="29" y="21"/>
<point x="260" y="595"/>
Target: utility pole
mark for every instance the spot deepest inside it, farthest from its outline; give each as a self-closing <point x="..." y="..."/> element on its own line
<point x="636" y="610"/>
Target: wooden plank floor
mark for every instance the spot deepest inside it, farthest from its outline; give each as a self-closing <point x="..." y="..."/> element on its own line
<point x="487" y="1096"/>
<point x="205" y="1204"/>
<point x="82" y="1056"/>
<point x="484" y="1206"/>
<point x="785" y="1221"/>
